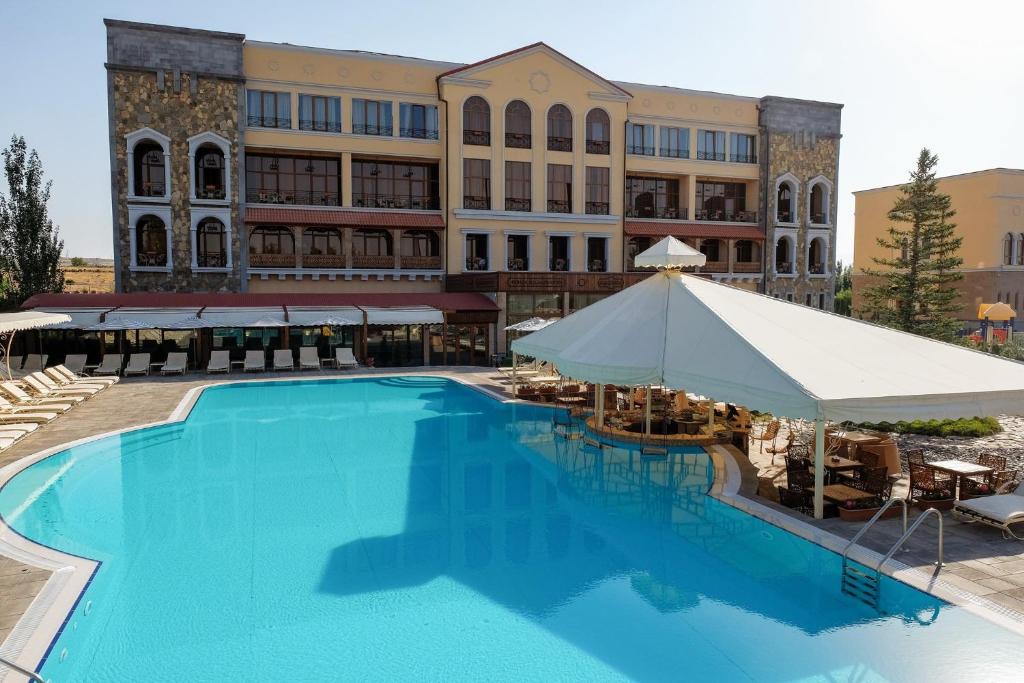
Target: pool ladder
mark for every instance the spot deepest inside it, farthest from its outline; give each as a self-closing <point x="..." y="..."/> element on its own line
<point x="866" y="585"/>
<point x="30" y="675"/>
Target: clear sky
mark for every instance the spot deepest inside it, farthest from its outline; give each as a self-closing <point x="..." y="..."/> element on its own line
<point x="911" y="73"/>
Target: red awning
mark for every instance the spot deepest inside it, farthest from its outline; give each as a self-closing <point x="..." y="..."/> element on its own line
<point x="286" y="215"/>
<point x="684" y="229"/>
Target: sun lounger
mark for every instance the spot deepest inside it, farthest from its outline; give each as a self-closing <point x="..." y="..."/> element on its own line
<point x="111" y="364"/>
<point x="220" y="361"/>
<point x="138" y="364"/>
<point x="16" y="430"/>
<point x="34" y="362"/>
<point x="76" y="388"/>
<point x="11" y="371"/>
<point x="344" y="357"/>
<point x="283" y="359"/>
<point x="309" y="358"/>
<point x="175" y="362"/>
<point x="999" y="511"/>
<point x="62" y="375"/>
<point x="255" y="361"/>
<point x="69" y="395"/>
<point x="75" y="362"/>
<point x="20" y="398"/>
<point x="13" y="414"/>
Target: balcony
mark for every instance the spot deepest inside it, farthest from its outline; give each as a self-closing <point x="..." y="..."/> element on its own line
<point x="816" y="269"/>
<point x="783" y="267"/>
<point x="421" y="262"/>
<point x="476" y="263"/>
<point x="210" y="192"/>
<point x="320" y="126"/>
<point x="390" y="201"/>
<point x="719" y="216"/>
<point x="598" y="147"/>
<point x="710" y="156"/>
<point x="597" y="208"/>
<point x="818" y="218"/>
<point x="558" y="265"/>
<point x="783" y="216"/>
<point x="746" y="267"/>
<point x="516" y="204"/>
<point x="150" y="189"/>
<point x="640" y="149"/>
<point x="674" y="153"/>
<point x="269" y="122"/>
<point x="559" y="144"/>
<point x="715" y="267"/>
<point x="476" y="137"/>
<point x="364" y="261"/>
<point x="559" y="206"/>
<point x="151" y="259"/>
<point x="518" y="264"/>
<point x="418" y="133"/>
<point x="295" y="197"/>
<point x="518" y="140"/>
<point x="743" y="158"/>
<point x="371" y="129"/>
<point x="272" y="260"/>
<point x="212" y="260"/>
<point x="480" y="203"/>
<point x="664" y="213"/>
<point x="323" y="261"/>
<point x="597" y="266"/>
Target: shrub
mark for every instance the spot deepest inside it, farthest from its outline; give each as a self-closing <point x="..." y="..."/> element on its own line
<point x="964" y="426"/>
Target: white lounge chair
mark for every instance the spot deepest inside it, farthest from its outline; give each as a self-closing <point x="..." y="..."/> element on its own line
<point x="220" y="361"/>
<point x="309" y="358"/>
<point x="20" y="398"/>
<point x="255" y="361"/>
<point x="12" y="414"/>
<point x="75" y="362"/>
<point x="999" y="511"/>
<point x="138" y="364"/>
<point x="16" y="430"/>
<point x="344" y="357"/>
<point x="49" y="388"/>
<point x="75" y="388"/>
<point x="63" y="376"/>
<point x="176" y="362"/>
<point x="283" y="359"/>
<point x="110" y="365"/>
<point x="34" y="362"/>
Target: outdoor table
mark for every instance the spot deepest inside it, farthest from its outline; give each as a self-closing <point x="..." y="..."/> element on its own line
<point x="854" y="439"/>
<point x="156" y="366"/>
<point x="89" y="367"/>
<point x="238" y="363"/>
<point x="840" y="493"/>
<point x="328" y="362"/>
<point x="836" y="464"/>
<point x="960" y="470"/>
<point x="571" y="399"/>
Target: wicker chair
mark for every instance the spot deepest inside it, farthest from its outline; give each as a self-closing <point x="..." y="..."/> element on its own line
<point x="770" y="433"/>
<point x="874" y="480"/>
<point x="915" y="455"/>
<point x="986" y="484"/>
<point x="930" y="483"/>
<point x="784" y="449"/>
<point x="796" y="499"/>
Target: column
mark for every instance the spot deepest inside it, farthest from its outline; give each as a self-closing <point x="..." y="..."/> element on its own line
<point x="346" y="246"/>
<point x="346" y="178"/>
<point x="396" y="247"/>
<point x="691" y="196"/>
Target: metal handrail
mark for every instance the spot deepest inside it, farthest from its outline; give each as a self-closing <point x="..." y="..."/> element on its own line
<point x="889" y="503"/>
<point x="909" y="532"/>
<point x="32" y="675"/>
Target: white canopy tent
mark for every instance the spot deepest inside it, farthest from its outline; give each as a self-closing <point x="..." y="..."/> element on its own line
<point x="154" y="318"/>
<point x="121" y="324"/>
<point x="684" y="331"/>
<point x="407" y="315"/>
<point x="78" y="318"/>
<point x="271" y="316"/>
<point x="335" y="316"/>
<point x="11" y="323"/>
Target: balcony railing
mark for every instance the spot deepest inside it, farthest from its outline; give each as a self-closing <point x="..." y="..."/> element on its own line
<point x="390" y="201"/>
<point x="151" y="259"/>
<point x="150" y="190"/>
<point x="371" y="129"/>
<point x="816" y="269"/>
<point x="666" y="212"/>
<point x="597" y="208"/>
<point x="715" y="267"/>
<point x="421" y="262"/>
<point x="559" y="144"/>
<point x="519" y="264"/>
<point x="746" y="267"/>
<point x="518" y="140"/>
<point x="272" y="260"/>
<point x="818" y="218"/>
<point x="210" y="192"/>
<point x="783" y="267"/>
<point x="640" y="149"/>
<point x="321" y="126"/>
<point x="476" y="263"/>
<point x="323" y="261"/>
<point x="270" y="121"/>
<point x="726" y="216"/>
<point x="470" y="202"/>
<point x="514" y="204"/>
<point x="598" y="147"/>
<point x="783" y="216"/>
<point x="674" y="153"/>
<point x="364" y="261"/>
<point x="476" y="137"/>
<point x="418" y="133"/>
<point x="559" y="206"/>
<point x="558" y="265"/>
<point x="743" y="158"/>
<point x="710" y="156"/>
<point x="212" y="260"/>
<point x="299" y="197"/>
<point x="597" y="266"/>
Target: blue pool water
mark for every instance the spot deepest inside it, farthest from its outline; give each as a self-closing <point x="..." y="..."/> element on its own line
<point x="415" y="529"/>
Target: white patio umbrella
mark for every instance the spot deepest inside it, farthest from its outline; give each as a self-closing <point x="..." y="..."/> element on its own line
<point x="11" y="323"/>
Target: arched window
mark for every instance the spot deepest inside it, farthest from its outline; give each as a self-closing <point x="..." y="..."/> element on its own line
<point x="209" y="172"/>
<point x="151" y="242"/>
<point x="712" y="249"/>
<point x="783" y="250"/>
<point x="784" y="205"/>
<point x="371" y="243"/>
<point x="598" y="132"/>
<point x="816" y="257"/>
<point x="272" y="240"/>
<point x="476" y="121"/>
<point x="1020" y="250"/>
<point x="518" y="127"/>
<point x="559" y="128"/>
<point x="1008" y="250"/>
<point x="417" y="243"/>
<point x="819" y="212"/>
<point x="321" y="242"/>
<point x="149" y="172"/>
<point x="211" y="244"/>
<point x="748" y="251"/>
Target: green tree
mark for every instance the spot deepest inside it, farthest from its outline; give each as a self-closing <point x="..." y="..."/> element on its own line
<point x="914" y="290"/>
<point x="30" y="243"/>
<point x="77" y="262"/>
<point x="844" y="289"/>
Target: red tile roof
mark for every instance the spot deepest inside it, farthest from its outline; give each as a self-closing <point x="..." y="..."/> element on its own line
<point x="447" y="301"/>
<point x="287" y="215"/>
<point x="683" y="229"/>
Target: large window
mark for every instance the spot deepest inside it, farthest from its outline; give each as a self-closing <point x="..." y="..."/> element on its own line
<point x="722" y="202"/>
<point x="652" y="197"/>
<point x="816" y="257"/>
<point x="417" y="121"/>
<point x="517" y="249"/>
<point x="209" y="172"/>
<point x="476" y="184"/>
<point x="785" y="203"/>
<point x="368" y="242"/>
<point x="476" y="121"/>
<point x="478" y="251"/>
<point x="748" y="251"/>
<point x="517" y="186"/>
<point x="558" y="252"/>
<point x="151" y="242"/>
<point x="598" y="191"/>
<point x="559" y="188"/>
<point x="267" y="109"/>
<point x="675" y="142"/>
<point x="149" y="172"/>
<point x="819" y="204"/>
<point x="371" y="117"/>
<point x="598" y="132"/>
<point x="597" y="254"/>
<point x="321" y="242"/>
<point x="271" y="240"/>
<point x="518" y="126"/>
<point x="559" y="128"/>
<point x="394" y="185"/>
<point x="639" y="139"/>
<point x="292" y="180"/>
<point x="711" y="145"/>
<point x="634" y="246"/>
<point x="712" y="249"/>
<point x="783" y="256"/>
<point x="317" y="112"/>
<point x="211" y="244"/>
<point x="742" y="148"/>
<point x="420" y="243"/>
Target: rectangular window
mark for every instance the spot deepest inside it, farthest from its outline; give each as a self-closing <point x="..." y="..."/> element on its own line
<point x="518" y="252"/>
<point x="639" y="139"/>
<point x="598" y="191"/>
<point x="653" y="198"/>
<point x="517" y="186"/>
<point x="711" y="145"/>
<point x="394" y="185"/>
<point x="292" y="180"/>
<point x="558" y="253"/>
<point x="320" y="113"/>
<point x="477" y="252"/>
<point x="597" y="254"/>
<point x="723" y="202"/>
<point x="741" y="148"/>
<point x="559" y="188"/>
<point x="476" y="184"/>
<point x="267" y="109"/>
<point x="417" y="121"/>
<point x="371" y="117"/>
<point x="675" y="142"/>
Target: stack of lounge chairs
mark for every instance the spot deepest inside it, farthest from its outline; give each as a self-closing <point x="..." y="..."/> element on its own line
<point x="282" y="360"/>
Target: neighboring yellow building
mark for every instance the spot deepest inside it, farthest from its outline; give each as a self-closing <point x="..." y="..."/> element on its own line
<point x="989" y="216"/>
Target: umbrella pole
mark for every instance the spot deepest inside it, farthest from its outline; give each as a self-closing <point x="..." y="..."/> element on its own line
<point x="647" y="412"/>
<point x="514" y="374"/>
<point x="819" y="467"/>
<point x="711" y="416"/>
<point x="599" y="406"/>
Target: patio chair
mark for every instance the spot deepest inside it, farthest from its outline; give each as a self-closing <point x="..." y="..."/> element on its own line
<point x="44" y="386"/>
<point x="874" y="480"/>
<point x="915" y="455"/>
<point x="138" y="364"/>
<point x="19" y="398"/>
<point x="770" y="433"/>
<point x="255" y="361"/>
<point x="984" y="484"/>
<point x="75" y="362"/>
<point x="928" y="481"/>
<point x="784" y="450"/>
<point x="62" y="375"/>
<point x="47" y="379"/>
<point x="283" y="359"/>
<point x="344" y="357"/>
<point x="34" y="362"/>
<point x="309" y="358"/>
<point x="10" y="413"/>
<point x="177" y="361"/>
<point x="110" y="365"/>
<point x="220" y="361"/>
<point x="1001" y="512"/>
<point x="796" y="499"/>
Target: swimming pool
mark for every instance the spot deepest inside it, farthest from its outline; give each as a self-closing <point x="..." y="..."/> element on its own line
<point x="405" y="528"/>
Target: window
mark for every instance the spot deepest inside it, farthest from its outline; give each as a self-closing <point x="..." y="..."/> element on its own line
<point x="477" y="252"/>
<point x="292" y="180"/>
<point x="476" y="184"/>
<point x="559" y="128"/>
<point x="597" y="254"/>
<point x="209" y="172"/>
<point x="151" y="242"/>
<point x="712" y="249"/>
<point x="394" y="185"/>
<point x="517" y="125"/>
<point x="420" y="243"/>
<point x="211" y="244"/>
<point x="675" y="142"/>
<point x="558" y="253"/>
<point x="819" y="205"/>
<point x="267" y="109"/>
<point x="598" y="191"/>
<point x="417" y="121"/>
<point x="517" y="249"/>
<point x="476" y="121"/>
<point x="652" y="197"/>
<point x="371" y="117"/>
<point x="321" y="242"/>
<point x="711" y="145"/>
<point x="636" y="245"/>
<point x="639" y="139"/>
<point x="272" y="241"/>
<point x="1020" y="249"/>
<point x="598" y="132"/>
<point x="783" y="262"/>
<point x="785" y="203"/>
<point x="1008" y="250"/>
<point x="317" y="112"/>
<point x="559" y="188"/>
<point x="742" y="148"/>
<point x="149" y="173"/>
<point x="517" y="186"/>
<point x="748" y="251"/>
<point x="366" y="242"/>
<point x="722" y="202"/>
<point x="821" y="301"/>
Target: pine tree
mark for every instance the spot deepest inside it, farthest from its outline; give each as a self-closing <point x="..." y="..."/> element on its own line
<point x="915" y="291"/>
<point x="844" y="289"/>
<point x="30" y="244"/>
